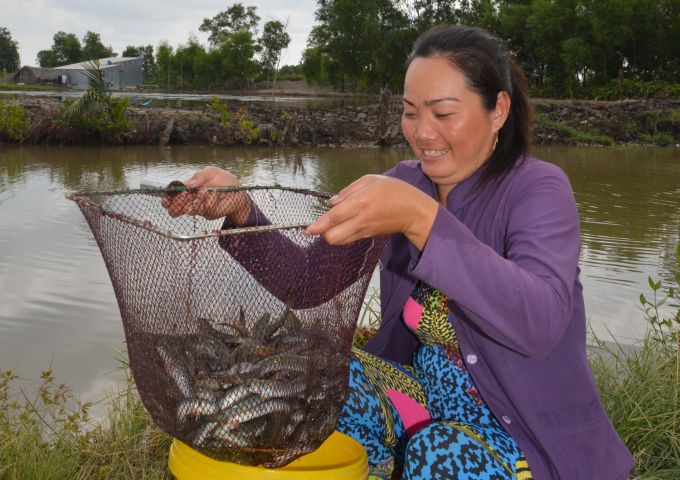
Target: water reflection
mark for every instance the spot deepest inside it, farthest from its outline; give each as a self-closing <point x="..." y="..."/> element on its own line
<point x="57" y="305"/>
<point x="628" y="201"/>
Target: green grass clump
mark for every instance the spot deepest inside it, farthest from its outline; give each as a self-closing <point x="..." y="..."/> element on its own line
<point x="659" y="138"/>
<point x="639" y="391"/>
<point x="14" y="122"/>
<point x="673" y="114"/>
<point x="48" y="434"/>
<point x="640" y="386"/>
<point x="15" y="87"/>
<point x="576" y="135"/>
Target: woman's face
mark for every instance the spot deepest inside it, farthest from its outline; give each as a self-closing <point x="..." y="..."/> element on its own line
<point x="445" y="123"/>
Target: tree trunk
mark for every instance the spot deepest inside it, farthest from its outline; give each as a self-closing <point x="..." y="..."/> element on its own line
<point x="384" y="111"/>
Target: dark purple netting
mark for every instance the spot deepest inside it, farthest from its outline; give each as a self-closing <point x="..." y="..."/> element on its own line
<point x="238" y="338"/>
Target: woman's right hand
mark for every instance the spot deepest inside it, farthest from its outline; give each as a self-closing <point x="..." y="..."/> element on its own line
<point x="207" y="203"/>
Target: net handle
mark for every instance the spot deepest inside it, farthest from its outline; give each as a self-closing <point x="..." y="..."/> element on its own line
<point x="81" y="199"/>
<point x="162" y="191"/>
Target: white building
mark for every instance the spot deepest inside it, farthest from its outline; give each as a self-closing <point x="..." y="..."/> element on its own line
<point x="120" y="72"/>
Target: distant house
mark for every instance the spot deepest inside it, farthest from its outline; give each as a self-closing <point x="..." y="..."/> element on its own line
<point x="36" y="76"/>
<point x="120" y="72"/>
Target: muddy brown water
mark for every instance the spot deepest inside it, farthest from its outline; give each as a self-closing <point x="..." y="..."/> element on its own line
<point x="57" y="305"/>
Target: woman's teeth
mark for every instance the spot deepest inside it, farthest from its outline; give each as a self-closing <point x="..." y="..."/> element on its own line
<point x="434" y="153"/>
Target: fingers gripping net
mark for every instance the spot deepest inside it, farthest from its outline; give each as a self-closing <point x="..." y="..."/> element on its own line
<point x="238" y="338"/>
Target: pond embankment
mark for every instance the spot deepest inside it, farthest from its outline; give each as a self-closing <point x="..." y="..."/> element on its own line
<point x="557" y="122"/>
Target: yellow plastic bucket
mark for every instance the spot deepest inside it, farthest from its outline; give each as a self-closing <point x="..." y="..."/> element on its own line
<point x="338" y="458"/>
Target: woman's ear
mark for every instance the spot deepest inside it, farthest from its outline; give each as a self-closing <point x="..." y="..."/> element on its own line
<point x="501" y="110"/>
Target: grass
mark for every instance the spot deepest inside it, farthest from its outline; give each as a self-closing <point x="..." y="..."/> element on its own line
<point x="576" y="135"/>
<point x="639" y="390"/>
<point x="30" y="88"/>
<point x="49" y="434"/>
<point x="673" y="114"/>
<point x="640" y="387"/>
<point x="659" y="138"/>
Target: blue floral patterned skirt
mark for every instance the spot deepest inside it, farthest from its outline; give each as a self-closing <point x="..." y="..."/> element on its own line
<point x="428" y="420"/>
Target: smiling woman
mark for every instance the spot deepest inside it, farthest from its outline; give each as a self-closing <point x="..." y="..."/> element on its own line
<point x="479" y="367"/>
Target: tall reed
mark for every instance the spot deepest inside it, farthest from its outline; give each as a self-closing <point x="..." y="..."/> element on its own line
<point x="640" y="384"/>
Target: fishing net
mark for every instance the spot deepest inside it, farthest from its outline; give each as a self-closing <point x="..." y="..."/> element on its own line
<point x="238" y="337"/>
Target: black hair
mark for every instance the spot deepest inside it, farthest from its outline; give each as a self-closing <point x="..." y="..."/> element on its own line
<point x="488" y="70"/>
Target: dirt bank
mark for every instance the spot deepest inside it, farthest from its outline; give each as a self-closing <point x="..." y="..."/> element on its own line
<point x="558" y="122"/>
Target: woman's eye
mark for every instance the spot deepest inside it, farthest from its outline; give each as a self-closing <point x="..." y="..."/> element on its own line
<point x="443" y="115"/>
<point x="409" y="114"/>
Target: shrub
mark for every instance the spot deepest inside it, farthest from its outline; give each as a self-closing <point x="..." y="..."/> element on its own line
<point x="223" y="110"/>
<point x="249" y="133"/>
<point x="96" y="111"/>
<point x="14" y="122"/>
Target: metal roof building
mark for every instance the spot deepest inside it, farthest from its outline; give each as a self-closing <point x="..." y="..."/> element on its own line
<point x="121" y="72"/>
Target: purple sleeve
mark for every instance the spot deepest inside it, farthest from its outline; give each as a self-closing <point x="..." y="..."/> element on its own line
<point x="523" y="298"/>
<point x="301" y="276"/>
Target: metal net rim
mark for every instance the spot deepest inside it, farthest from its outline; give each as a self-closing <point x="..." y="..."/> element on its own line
<point x="81" y="198"/>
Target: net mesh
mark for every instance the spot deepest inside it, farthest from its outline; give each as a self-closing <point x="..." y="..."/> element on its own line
<point x="238" y="338"/>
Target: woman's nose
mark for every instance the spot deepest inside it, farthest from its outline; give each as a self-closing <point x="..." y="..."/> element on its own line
<point x="424" y="131"/>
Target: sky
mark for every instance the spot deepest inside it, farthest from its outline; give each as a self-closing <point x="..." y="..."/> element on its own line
<point x="33" y="23"/>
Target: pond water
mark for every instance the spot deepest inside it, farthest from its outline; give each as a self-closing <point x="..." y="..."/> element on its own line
<point x="57" y="305"/>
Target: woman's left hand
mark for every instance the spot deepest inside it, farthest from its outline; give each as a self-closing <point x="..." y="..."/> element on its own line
<point x="377" y="205"/>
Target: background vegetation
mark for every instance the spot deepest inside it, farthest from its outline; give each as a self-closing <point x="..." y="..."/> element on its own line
<point x="567" y="47"/>
<point x="605" y="49"/>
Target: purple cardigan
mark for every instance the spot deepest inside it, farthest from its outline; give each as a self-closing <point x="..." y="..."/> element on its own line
<point x="506" y="257"/>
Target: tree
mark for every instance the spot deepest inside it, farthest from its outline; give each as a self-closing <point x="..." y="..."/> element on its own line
<point x="290" y="70"/>
<point x="163" y="68"/>
<point x="552" y="23"/>
<point x="233" y="40"/>
<point x="237" y="52"/>
<point x="273" y="41"/>
<point x="358" y="43"/>
<point x="652" y="51"/>
<point x="387" y="68"/>
<point x="226" y="23"/>
<point x="190" y="60"/>
<point x="425" y="13"/>
<point x="93" y="48"/>
<point x="131" y="51"/>
<point x="66" y="49"/>
<point x="512" y="26"/>
<point x="312" y="65"/>
<point x="9" y="52"/>
<point x="47" y="58"/>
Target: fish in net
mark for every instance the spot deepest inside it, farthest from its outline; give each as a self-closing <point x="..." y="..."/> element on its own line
<point x="238" y="336"/>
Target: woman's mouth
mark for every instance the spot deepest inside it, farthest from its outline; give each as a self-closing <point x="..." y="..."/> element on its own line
<point x="434" y="153"/>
